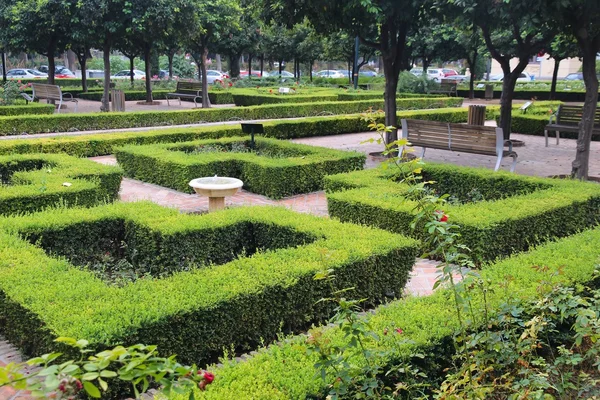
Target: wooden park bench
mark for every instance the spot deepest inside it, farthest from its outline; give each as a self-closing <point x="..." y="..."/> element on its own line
<point x="567" y="119"/>
<point x="483" y="140"/>
<point x="42" y="91"/>
<point x="446" y="87"/>
<point x="187" y="90"/>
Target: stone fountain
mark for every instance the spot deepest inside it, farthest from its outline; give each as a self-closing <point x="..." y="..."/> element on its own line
<point x="216" y="188"/>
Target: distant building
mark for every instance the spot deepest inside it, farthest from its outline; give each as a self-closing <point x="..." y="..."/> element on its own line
<point x="542" y="67"/>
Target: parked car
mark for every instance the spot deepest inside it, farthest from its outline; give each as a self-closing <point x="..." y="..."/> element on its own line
<point x="213" y="75"/>
<point x="284" y="74"/>
<point x="368" y="73"/>
<point x="432" y="73"/>
<point x="449" y="72"/>
<point x="126" y="74"/>
<point x="63" y="73"/>
<point x="457" y="78"/>
<point x="523" y="77"/>
<point x="575" y="76"/>
<point x="25" y="73"/>
<point x="330" y="73"/>
<point x="257" y="74"/>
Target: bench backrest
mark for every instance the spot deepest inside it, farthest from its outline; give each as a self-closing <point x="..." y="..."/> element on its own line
<point x="44" y="91"/>
<point x="456" y="137"/>
<point x="571" y="115"/>
<point x="448" y="85"/>
<point x="188" y="86"/>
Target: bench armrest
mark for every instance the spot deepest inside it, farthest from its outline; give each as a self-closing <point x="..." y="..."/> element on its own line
<point x="68" y="94"/>
<point x="510" y="144"/>
<point x="552" y="117"/>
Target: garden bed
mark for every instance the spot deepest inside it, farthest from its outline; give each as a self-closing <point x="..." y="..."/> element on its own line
<point x="29" y="109"/>
<point x="229" y="279"/>
<point x="499" y="213"/>
<point x="273" y="168"/>
<point x="92" y="121"/>
<point x="38" y="181"/>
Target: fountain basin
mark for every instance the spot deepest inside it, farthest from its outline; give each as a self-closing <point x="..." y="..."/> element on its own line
<point x="216" y="189"/>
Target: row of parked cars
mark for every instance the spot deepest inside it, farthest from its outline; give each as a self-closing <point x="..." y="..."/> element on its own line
<point x="42" y="73"/>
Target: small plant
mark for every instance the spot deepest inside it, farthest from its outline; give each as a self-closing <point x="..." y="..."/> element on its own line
<point x="139" y="365"/>
<point x="10" y="92"/>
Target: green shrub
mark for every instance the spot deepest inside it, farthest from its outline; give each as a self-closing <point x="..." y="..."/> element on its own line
<point x="129" y="95"/>
<point x="36" y="181"/>
<point x="31" y="108"/>
<point x="255" y="99"/>
<point x="284" y="370"/>
<point x="241" y="276"/>
<point x="66" y="82"/>
<point x="513" y="212"/>
<point x="274" y="168"/>
<point x="104" y="143"/>
<point x="80" y="122"/>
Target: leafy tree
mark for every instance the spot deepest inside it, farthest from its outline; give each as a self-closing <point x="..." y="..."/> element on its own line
<point x="341" y="46"/>
<point x="40" y="26"/>
<point x="278" y="44"/>
<point x="580" y="19"/>
<point x="511" y="29"/>
<point x="206" y="23"/>
<point x="563" y="46"/>
<point x="381" y="24"/>
<point x="311" y="49"/>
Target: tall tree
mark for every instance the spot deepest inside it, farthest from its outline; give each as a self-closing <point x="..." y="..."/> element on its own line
<point x="511" y="29"/>
<point x="84" y="34"/>
<point x="390" y="20"/>
<point x="40" y="26"/>
<point x="580" y="19"/>
<point x="563" y="46"/>
<point x="206" y="23"/>
<point x="342" y="47"/>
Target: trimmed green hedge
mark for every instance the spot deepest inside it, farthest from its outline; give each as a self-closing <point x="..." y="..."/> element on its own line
<point x="275" y="169"/>
<point x="527" y="94"/>
<point x="36" y="181"/>
<point x="244" y="274"/>
<point x="80" y="122"/>
<point x="66" y="82"/>
<point x="104" y="143"/>
<point x="257" y="99"/>
<point x="517" y="211"/>
<point x="284" y="370"/>
<point x="31" y="108"/>
<point x="217" y="97"/>
<point x="535" y="124"/>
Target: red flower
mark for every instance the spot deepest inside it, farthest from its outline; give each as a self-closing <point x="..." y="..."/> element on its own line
<point x="399" y="331"/>
<point x="258" y="87"/>
<point x="444" y="218"/>
<point x="230" y="84"/>
<point x="208" y="376"/>
<point x="270" y="90"/>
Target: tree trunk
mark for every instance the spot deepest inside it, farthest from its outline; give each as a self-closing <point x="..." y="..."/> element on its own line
<point x="131" y="68"/>
<point x="106" y="95"/>
<point x="391" y="86"/>
<point x="280" y="67"/>
<point x="249" y="65"/>
<point x="148" y="67"/>
<point x="51" y="66"/>
<point x="234" y="65"/>
<point x="310" y="67"/>
<point x="425" y="66"/>
<point x="580" y="166"/>
<point x="205" y="99"/>
<point x="554" y="78"/>
<point x="508" y="89"/>
<point x="170" y="56"/>
<point x="472" y="64"/>
<point x="71" y="56"/>
<point x="3" y="61"/>
<point x="262" y="64"/>
<point x="219" y="63"/>
<point x="82" y="58"/>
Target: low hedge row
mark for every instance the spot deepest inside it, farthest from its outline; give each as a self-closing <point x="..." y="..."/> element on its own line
<point x="33" y="182"/>
<point x="105" y="143"/>
<point x="29" y="109"/>
<point x="244" y="275"/>
<point x="516" y="212"/>
<point x="526" y="94"/>
<point x="274" y="168"/>
<point x="66" y="82"/>
<point x="216" y="97"/>
<point x="534" y="125"/>
<point x="80" y="122"/>
<point x="250" y="99"/>
<point x="285" y="370"/>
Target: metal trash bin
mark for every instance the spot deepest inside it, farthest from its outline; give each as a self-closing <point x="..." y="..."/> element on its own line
<point x="476" y="115"/>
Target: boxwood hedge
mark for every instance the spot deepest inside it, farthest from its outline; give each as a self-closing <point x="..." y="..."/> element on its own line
<point x="285" y="371"/>
<point x="81" y="122"/>
<point x="31" y="108"/>
<point x="244" y="274"/>
<point x="535" y="124"/>
<point x="216" y="97"/>
<point x="253" y="99"/>
<point x="36" y="181"/>
<point x="274" y="168"/>
<point x="515" y="212"/>
<point x="104" y="143"/>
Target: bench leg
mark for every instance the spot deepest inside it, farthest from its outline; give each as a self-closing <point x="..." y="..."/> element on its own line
<point x="59" y="106"/>
<point x="557" y="133"/>
<point x="514" y="163"/>
<point x="546" y="136"/>
<point x="498" y="162"/>
<point x="168" y="104"/>
<point x="423" y="152"/>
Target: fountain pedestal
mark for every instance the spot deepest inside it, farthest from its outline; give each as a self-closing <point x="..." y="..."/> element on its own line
<point x="216" y="189"/>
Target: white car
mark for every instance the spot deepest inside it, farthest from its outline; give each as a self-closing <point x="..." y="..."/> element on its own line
<point x="330" y="73"/>
<point x="432" y="73"/>
<point x="523" y="77"/>
<point x="214" y="75"/>
<point x="126" y="74"/>
<point x="25" y="73"/>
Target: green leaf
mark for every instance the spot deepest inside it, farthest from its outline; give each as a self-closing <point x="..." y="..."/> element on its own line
<point x="91" y="390"/>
